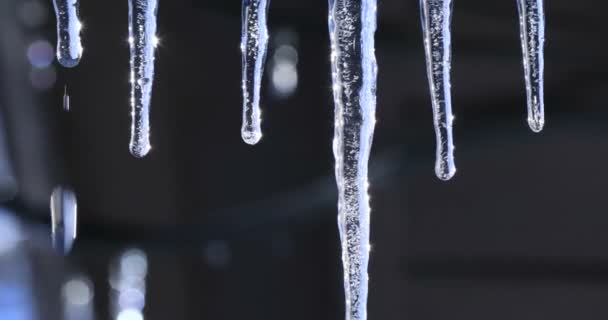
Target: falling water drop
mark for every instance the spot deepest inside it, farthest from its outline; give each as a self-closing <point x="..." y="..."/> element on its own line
<point x="254" y="43"/>
<point x="63" y="219"/>
<point x="436" y="19"/>
<point x="66" y="99"/>
<point x="142" y="42"/>
<point x="69" y="47"/>
<point x="532" y="24"/>
<point x="352" y="24"/>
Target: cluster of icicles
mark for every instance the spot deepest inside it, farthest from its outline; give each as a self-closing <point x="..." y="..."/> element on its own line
<point x="352" y="24"/>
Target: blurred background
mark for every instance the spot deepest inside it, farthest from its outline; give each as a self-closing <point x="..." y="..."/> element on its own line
<point x="207" y="227"/>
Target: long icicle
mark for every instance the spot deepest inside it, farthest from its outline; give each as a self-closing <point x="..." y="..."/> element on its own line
<point x="436" y="19"/>
<point x="142" y="42"/>
<point x="69" y="46"/>
<point x="254" y="44"/>
<point x="352" y="24"/>
<point x="532" y="24"/>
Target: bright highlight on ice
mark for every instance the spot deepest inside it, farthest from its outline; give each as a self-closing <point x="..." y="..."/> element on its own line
<point x="254" y="43"/>
<point x="142" y="42"/>
<point x="436" y="19"/>
<point x="532" y="23"/>
<point x="352" y="24"/>
<point x="69" y="46"/>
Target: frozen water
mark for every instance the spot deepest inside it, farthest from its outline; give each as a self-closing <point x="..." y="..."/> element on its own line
<point x="69" y="46"/>
<point x="66" y="99"/>
<point x="436" y="18"/>
<point x="532" y="23"/>
<point x="352" y="24"/>
<point x="254" y="43"/>
<point x="63" y="219"/>
<point x="142" y="41"/>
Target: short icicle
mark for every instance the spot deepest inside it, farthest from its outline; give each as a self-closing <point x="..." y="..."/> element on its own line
<point x="436" y="19"/>
<point x="142" y="42"/>
<point x="352" y="24"/>
<point x="64" y="213"/>
<point x="254" y="44"/>
<point x="532" y="27"/>
<point x="69" y="46"/>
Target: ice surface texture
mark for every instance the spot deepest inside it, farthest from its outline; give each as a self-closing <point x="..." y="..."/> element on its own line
<point x="436" y="18"/>
<point x="254" y="44"/>
<point x="352" y="24"/>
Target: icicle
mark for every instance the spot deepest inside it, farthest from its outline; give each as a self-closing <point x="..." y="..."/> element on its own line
<point x="254" y="43"/>
<point x="69" y="47"/>
<point x="63" y="219"/>
<point x="142" y="41"/>
<point x="436" y="18"/>
<point x="66" y="99"/>
<point x="532" y="23"/>
<point x="352" y="24"/>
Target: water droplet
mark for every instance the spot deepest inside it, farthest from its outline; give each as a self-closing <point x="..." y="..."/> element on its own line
<point x="66" y="99"/>
<point x="63" y="219"/>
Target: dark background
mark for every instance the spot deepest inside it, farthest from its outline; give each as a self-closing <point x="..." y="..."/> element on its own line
<point x="233" y="231"/>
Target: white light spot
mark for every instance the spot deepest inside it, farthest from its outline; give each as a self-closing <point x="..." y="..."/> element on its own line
<point x="130" y="314"/>
<point x="77" y="292"/>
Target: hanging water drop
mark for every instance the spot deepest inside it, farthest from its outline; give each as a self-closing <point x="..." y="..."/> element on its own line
<point x="66" y="99"/>
<point x="63" y="219"/>
<point x="69" y="46"/>
<point x="436" y="20"/>
<point x="352" y="24"/>
<point x="142" y="43"/>
<point x="532" y="27"/>
<point x="254" y="43"/>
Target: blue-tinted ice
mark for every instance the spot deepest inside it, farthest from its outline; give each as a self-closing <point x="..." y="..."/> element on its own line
<point x="254" y="43"/>
<point x="142" y="42"/>
<point x="69" y="46"/>
<point x="436" y="18"/>
<point x="352" y="24"/>
<point x="532" y="24"/>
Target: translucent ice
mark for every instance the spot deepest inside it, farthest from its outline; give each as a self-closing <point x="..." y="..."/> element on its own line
<point x="142" y="41"/>
<point x="69" y="47"/>
<point x="254" y="43"/>
<point x="352" y="24"/>
<point x="532" y="23"/>
<point x="436" y="18"/>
